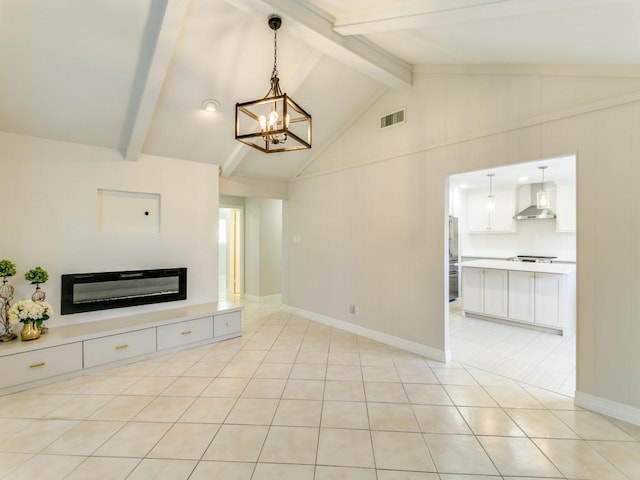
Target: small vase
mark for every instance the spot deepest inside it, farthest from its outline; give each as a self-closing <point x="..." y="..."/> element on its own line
<point x="38" y="295"/>
<point x="6" y="290"/>
<point x="30" y="331"/>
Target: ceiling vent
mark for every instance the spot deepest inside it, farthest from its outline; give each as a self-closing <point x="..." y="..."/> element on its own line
<point x="395" y="118"/>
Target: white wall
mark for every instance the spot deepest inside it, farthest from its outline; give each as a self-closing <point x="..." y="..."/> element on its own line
<point x="371" y="210"/>
<point x="49" y="218"/>
<point x="533" y="237"/>
<point x="263" y="247"/>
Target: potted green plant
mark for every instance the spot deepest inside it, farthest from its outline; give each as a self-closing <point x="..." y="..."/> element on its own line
<point x="37" y="275"/>
<point x="7" y="268"/>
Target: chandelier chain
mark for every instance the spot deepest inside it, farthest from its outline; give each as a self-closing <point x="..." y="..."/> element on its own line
<point x="275" y="81"/>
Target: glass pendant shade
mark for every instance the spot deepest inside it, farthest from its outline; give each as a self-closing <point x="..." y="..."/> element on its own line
<point x="542" y="198"/>
<point x="274" y="123"/>
<point x="491" y="203"/>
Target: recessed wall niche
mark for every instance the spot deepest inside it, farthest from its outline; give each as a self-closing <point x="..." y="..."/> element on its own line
<point x="128" y="212"/>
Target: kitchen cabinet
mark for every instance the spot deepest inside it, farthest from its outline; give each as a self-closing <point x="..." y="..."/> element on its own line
<point x="521" y="296"/>
<point x="484" y="291"/>
<point x="528" y="294"/>
<point x="535" y="297"/>
<point x="565" y="207"/>
<point x="500" y="220"/>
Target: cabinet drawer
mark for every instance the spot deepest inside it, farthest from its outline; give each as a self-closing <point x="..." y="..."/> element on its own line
<point x="184" y="333"/>
<point x="39" y="364"/>
<point x="119" y="347"/>
<point x="227" y="323"/>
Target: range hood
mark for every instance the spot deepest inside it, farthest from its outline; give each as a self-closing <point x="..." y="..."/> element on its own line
<point x="532" y="212"/>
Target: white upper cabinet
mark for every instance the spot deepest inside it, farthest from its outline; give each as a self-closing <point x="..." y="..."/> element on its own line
<point x="565" y="207"/>
<point x="481" y="219"/>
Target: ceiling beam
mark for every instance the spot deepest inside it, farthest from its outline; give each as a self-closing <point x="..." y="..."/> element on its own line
<point x="421" y="13"/>
<point x="160" y="38"/>
<point x="316" y="29"/>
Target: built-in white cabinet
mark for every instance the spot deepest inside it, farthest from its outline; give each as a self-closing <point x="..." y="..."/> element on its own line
<point x="39" y="364"/>
<point x="68" y="350"/>
<point x="484" y="291"/>
<point x="535" y="297"/>
<point x="184" y="333"/>
<point x="227" y="324"/>
<point x="521" y="296"/>
<point x="499" y="219"/>
<point x="112" y="348"/>
<point x="544" y="300"/>
<point x="566" y="207"/>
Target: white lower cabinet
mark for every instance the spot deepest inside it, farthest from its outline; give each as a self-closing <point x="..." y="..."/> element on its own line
<point x="184" y="333"/>
<point x="521" y="296"/>
<point x="227" y="324"/>
<point x="485" y="291"/>
<point x="119" y="347"/>
<point x="72" y="348"/>
<point x="39" y="364"/>
<point x="549" y="290"/>
<point x="535" y="297"/>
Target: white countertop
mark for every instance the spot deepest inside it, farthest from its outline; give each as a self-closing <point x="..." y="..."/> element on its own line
<point x="521" y="266"/>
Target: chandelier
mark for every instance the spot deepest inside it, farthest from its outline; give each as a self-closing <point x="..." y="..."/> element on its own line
<point x="274" y="123"/>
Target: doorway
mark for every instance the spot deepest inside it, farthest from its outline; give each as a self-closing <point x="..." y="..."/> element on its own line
<point x="535" y="357"/>
<point x="229" y="252"/>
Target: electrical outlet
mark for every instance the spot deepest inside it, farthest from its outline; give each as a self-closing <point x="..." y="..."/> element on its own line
<point x="356" y="310"/>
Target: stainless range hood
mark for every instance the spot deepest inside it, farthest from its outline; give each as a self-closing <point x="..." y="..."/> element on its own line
<point x="532" y="212"/>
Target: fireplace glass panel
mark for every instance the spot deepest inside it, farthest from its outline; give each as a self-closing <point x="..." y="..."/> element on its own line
<point x="85" y="292"/>
<point x="118" y="289"/>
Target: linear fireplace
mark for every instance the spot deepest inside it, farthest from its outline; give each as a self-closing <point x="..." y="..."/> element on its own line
<point x="87" y="292"/>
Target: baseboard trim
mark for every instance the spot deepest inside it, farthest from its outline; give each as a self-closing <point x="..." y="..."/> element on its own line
<point x="267" y="298"/>
<point x="432" y="353"/>
<point x="607" y="407"/>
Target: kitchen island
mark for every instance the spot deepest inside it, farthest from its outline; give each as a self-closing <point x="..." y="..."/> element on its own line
<point x="534" y="295"/>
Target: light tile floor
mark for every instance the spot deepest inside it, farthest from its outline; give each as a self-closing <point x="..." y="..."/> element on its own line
<point x="293" y="399"/>
<point x="537" y="358"/>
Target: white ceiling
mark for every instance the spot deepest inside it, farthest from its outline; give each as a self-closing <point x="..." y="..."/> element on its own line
<point x="131" y="75"/>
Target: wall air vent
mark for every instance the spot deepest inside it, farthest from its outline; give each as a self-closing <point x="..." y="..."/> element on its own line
<point x="395" y="118"/>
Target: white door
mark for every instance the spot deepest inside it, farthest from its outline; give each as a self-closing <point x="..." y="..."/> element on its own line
<point x="229" y="251"/>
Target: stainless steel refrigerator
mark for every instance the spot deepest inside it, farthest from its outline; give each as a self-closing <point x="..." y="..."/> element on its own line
<point x="454" y="257"/>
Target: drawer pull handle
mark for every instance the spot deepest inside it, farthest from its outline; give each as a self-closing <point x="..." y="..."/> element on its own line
<point x="37" y="365"/>
<point x="186" y="332"/>
<point x="226" y="324"/>
<point x="122" y="347"/>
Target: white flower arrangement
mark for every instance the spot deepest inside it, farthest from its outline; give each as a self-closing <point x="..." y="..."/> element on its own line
<point x="26" y="311"/>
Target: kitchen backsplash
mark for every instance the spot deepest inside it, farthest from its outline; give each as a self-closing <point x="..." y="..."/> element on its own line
<point x="533" y="237"/>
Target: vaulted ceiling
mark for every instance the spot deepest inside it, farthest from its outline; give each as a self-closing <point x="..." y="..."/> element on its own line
<point x="131" y="74"/>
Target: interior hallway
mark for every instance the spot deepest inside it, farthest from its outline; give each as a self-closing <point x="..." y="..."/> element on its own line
<point x="293" y="399"/>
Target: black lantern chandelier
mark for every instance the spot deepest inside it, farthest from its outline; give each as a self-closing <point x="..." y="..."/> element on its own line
<point x="274" y="123"/>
